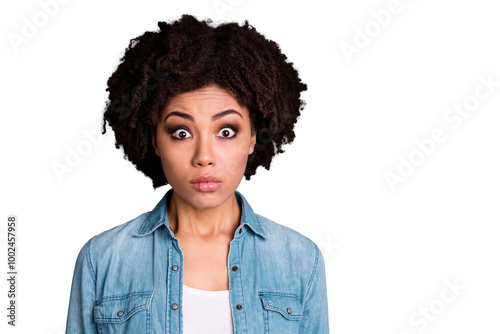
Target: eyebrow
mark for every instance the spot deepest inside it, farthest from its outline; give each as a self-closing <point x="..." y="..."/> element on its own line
<point x="214" y="117"/>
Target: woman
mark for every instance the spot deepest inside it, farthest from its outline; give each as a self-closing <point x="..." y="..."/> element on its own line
<point x="197" y="107"/>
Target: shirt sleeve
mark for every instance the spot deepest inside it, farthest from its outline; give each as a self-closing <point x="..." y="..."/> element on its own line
<point x="315" y="308"/>
<point x="81" y="303"/>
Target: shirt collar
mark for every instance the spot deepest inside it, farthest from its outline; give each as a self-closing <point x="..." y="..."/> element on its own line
<point x="158" y="216"/>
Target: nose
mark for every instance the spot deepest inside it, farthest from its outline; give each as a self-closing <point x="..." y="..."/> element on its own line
<point x="204" y="154"/>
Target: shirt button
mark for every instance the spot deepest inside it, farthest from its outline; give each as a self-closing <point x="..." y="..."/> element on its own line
<point x="239" y="307"/>
<point x="174" y="306"/>
<point x="120" y="314"/>
<point x="289" y="310"/>
<point x="175" y="267"/>
<point x="239" y="231"/>
<point x="234" y="268"/>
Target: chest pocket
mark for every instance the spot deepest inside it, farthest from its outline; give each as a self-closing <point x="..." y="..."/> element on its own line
<point x="282" y="312"/>
<point x="129" y="313"/>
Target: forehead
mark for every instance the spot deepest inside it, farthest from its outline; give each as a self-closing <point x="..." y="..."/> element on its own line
<point x="208" y="97"/>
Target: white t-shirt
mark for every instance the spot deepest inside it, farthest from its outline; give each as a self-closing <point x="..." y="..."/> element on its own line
<point x="206" y="312"/>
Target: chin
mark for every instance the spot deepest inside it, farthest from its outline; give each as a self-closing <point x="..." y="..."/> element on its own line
<point x="205" y="200"/>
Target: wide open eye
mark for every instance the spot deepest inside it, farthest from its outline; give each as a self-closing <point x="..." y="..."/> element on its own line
<point x="181" y="134"/>
<point x="227" y="132"/>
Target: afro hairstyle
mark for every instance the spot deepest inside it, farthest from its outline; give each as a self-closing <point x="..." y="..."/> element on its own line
<point x="188" y="54"/>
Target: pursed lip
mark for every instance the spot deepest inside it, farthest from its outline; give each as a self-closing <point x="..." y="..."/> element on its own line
<point x="206" y="183"/>
<point x="206" y="178"/>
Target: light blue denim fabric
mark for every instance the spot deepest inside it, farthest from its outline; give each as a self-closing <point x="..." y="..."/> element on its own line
<point x="129" y="279"/>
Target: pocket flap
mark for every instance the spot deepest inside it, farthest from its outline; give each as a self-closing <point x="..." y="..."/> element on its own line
<point x="287" y="304"/>
<point x="119" y="308"/>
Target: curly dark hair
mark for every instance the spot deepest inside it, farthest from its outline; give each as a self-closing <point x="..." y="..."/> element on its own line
<point x="188" y="54"/>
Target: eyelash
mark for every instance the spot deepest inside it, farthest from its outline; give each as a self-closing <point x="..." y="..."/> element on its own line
<point x="174" y="130"/>
<point x="235" y="129"/>
<point x="232" y="127"/>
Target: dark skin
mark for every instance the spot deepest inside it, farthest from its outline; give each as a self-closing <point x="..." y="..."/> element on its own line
<point x="204" y="132"/>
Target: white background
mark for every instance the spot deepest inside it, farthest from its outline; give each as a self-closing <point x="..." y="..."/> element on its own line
<point x="388" y="252"/>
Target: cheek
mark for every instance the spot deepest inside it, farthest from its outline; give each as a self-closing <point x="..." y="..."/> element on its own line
<point x="234" y="161"/>
<point x="173" y="160"/>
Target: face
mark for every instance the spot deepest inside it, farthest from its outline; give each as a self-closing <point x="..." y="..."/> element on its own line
<point x="204" y="138"/>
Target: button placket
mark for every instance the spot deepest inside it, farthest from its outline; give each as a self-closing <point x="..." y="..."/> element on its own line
<point x="235" y="287"/>
<point x="175" y="306"/>
<point x="174" y="287"/>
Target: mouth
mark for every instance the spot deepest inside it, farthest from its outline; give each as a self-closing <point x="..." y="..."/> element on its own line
<point x="206" y="183"/>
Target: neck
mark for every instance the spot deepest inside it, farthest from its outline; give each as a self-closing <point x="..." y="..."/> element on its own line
<point x="186" y="220"/>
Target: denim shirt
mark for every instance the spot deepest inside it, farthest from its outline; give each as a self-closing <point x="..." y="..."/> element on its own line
<point x="129" y="279"/>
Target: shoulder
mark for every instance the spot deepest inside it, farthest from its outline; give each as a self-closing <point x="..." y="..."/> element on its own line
<point x="108" y="245"/>
<point x="289" y="251"/>
<point x="117" y="237"/>
<point x="285" y="237"/>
